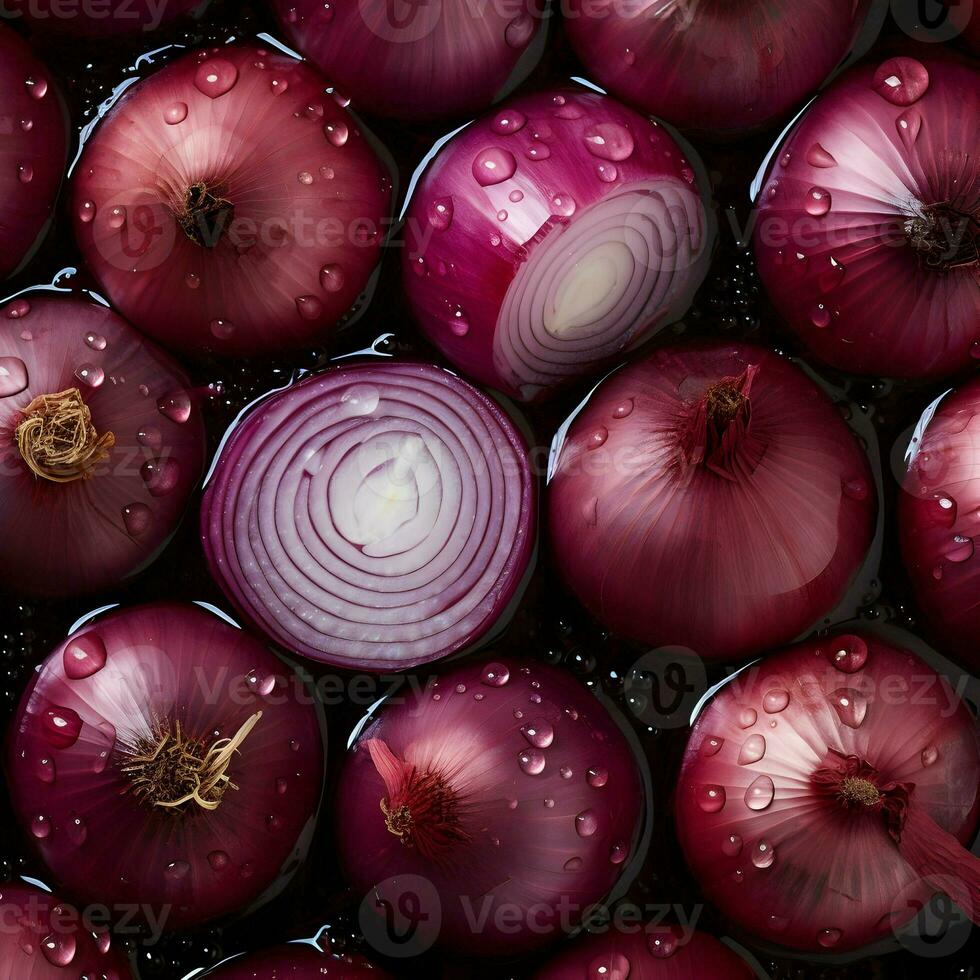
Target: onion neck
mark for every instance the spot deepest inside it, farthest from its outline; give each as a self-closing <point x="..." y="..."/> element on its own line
<point x="946" y="236"/>
<point x="175" y="771"/>
<point x="420" y="808"/>
<point x="57" y="439"/>
<point x="205" y="214"/>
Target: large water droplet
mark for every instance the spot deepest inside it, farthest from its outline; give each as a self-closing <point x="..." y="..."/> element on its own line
<point x="177" y="870"/>
<point x="91" y="375"/>
<point x="175" y="114"/>
<point x="818" y="201"/>
<point x="609" y="141"/>
<point x="929" y="755"/>
<point x="532" y="761"/>
<point x="508" y="121"/>
<point x="61" y="727"/>
<point x="747" y="717"/>
<point x="176" y="406"/>
<point x="161" y="476"/>
<point x="586" y="823"/>
<point x="441" y="213"/>
<point x="596" y="776"/>
<point x="563" y="205"/>
<point x="309" y="307"/>
<point x="539" y="151"/>
<point x="219" y="860"/>
<point x="137" y="518"/>
<point x="495" y="675"/>
<point x="775" y="701"/>
<point x="493" y="166"/>
<point x="337" y="133"/>
<point x="618" y="853"/>
<point x="763" y="854"/>
<point x="332" y="278"/>
<point x="760" y="793"/>
<point x="959" y="549"/>
<point x="711" y="798"/>
<point x="752" y="750"/>
<point x="540" y="733"/>
<point x="851" y="706"/>
<point x="13" y="376"/>
<point x="908" y="125"/>
<point x="41" y="827"/>
<point x="829" y="937"/>
<point x="817" y="156"/>
<point x="820" y="316"/>
<point x="59" y="948"/>
<point x="360" y="400"/>
<point x="84" y="656"/>
<point x="901" y="81"/>
<point x="37" y="87"/>
<point x="609" y="966"/>
<point x="573" y="864"/>
<point x="519" y="31"/>
<point x="216" y="77"/>
<point x="662" y="943"/>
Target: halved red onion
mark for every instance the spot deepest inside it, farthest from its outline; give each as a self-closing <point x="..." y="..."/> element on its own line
<point x="547" y="239"/>
<point x="228" y="203"/>
<point x="939" y="519"/>
<point x="649" y="951"/>
<point x="826" y="791"/>
<point x="498" y="804"/>
<point x="419" y="61"/>
<point x="163" y="764"/>
<point x="297" y="961"/>
<point x="379" y="515"/>
<point x="710" y="497"/>
<point x="717" y="66"/>
<point x="33" y="150"/>
<point x="101" y="446"/>
<point x="100" y="18"/>
<point x="43" y="938"/>
<point x="869" y="221"/>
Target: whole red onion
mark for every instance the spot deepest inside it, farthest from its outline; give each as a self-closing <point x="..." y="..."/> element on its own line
<point x="826" y="791"/>
<point x="646" y="952"/>
<point x="101" y="446"/>
<point x="939" y="519"/>
<point x="418" y="60"/>
<point x="100" y="18"/>
<point x="379" y="515"/>
<point x="297" y="961"/>
<point x="718" y="66"/>
<point x="33" y="150"/>
<point x="507" y="789"/>
<point x="165" y="761"/>
<point x="43" y="938"/>
<point x="547" y="239"/>
<point x="710" y="497"/>
<point x="867" y="233"/>
<point x="227" y="203"/>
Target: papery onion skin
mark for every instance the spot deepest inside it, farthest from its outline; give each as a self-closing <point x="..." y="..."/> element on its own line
<point x="939" y="520"/>
<point x="44" y="938"/>
<point x="100" y="18"/>
<point x="549" y="237"/>
<point x="227" y="203"/>
<point x="852" y="214"/>
<point x="33" y="150"/>
<point x="791" y="865"/>
<point x="445" y="59"/>
<point x="715" y="66"/>
<point x="543" y="804"/>
<point x="728" y="555"/>
<point x="82" y="536"/>
<point x="650" y="951"/>
<point x="75" y="732"/>
<point x="297" y="961"/>
<point x="379" y="515"/>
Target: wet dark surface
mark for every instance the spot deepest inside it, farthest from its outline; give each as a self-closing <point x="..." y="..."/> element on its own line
<point x="549" y="624"/>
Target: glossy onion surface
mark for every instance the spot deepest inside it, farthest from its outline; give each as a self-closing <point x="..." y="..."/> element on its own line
<point x="228" y="203"/>
<point x="553" y="235"/>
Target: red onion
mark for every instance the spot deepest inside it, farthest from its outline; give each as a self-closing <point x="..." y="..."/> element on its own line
<point x="718" y="66"/>
<point x="100" y="18"/>
<point x="418" y="60"/>
<point x="159" y="760"/>
<point x="868" y="227"/>
<point x="379" y="515"/>
<point x="33" y="150"/>
<point x="727" y="475"/>
<point x="825" y="793"/>
<point x="507" y="788"/>
<point x="646" y="952"/>
<point x="227" y="203"/>
<point x="101" y="445"/>
<point x="939" y="519"/>
<point x="297" y="961"/>
<point x="546" y="239"/>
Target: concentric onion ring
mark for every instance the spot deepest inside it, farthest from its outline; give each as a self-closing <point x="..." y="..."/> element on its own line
<point x="376" y="515"/>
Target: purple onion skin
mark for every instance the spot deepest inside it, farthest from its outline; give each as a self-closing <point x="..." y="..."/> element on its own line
<point x="939" y="522"/>
<point x="646" y="952"/>
<point x="393" y="610"/>
<point x="33" y="150"/>
<point x="719" y="67"/>
<point x="84" y="536"/>
<point x="100" y="19"/>
<point x="539" y="739"/>
<point x="834" y="237"/>
<point x="445" y="59"/>
<point x="297" y="961"/>
<point x="75" y="804"/>
<point x="712" y="558"/>
<point x="478" y="246"/>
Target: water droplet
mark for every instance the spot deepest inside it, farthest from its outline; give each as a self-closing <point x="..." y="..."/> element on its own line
<point x="785" y="159"/>
<point x="25" y="173"/>
<point x="61" y="727"/>
<point x="539" y="733"/>
<point x="516" y="197"/>
<point x="597" y="437"/>
<point x="929" y="755"/>
<point x="752" y="750"/>
<point x="573" y="864"/>
<point x="662" y="944"/>
<point x="563" y="205"/>
<point x="763" y="854"/>
<point x="137" y="519"/>
<point x="441" y="213"/>
<point x="959" y="549"/>
<point x="856" y="489"/>
<point x="495" y="675"/>
<point x="361" y="400"/>
<point x="618" y="853"/>
<point x="519" y="31"/>
<point x="760" y="793"/>
<point x="18" y="309"/>
<point x="829" y="937"/>
<point x="901" y="81"/>
<point x="732" y="845"/>
<point x="59" y="948"/>
<point x="502" y="215"/>
<point x="775" y="701"/>
<point x="712" y="745"/>
<point x="747" y="717"/>
<point x="216" y="77"/>
<point x="848" y="654"/>
<point x="41" y="827"/>
<point x="539" y="151"/>
<point x="507" y="122"/>
<point x="84" y="656"/>
<point x="597" y="776"/>
<point x="493" y="166"/>
<point x="222" y="329"/>
<point x="177" y="870"/>
<point x="176" y="406"/>
<point x="337" y="133"/>
<point x="818" y="201"/>
<point x="607" y="172"/>
<point x="566" y="772"/>
<point x="820" y="316"/>
<point x="13" y="376"/>
<point x="908" y="125"/>
<point x="175" y="114"/>
<point x="86" y="212"/>
<point x="586" y="823"/>
<point x="458" y="323"/>
<point x="532" y="761"/>
<point x="161" y="476"/>
<point x="817" y="156"/>
<point x="219" y="860"/>
<point x="624" y="409"/>
<point x="711" y="798"/>
<point x="77" y="831"/>
<point x="91" y="375"/>
<point x="610" y="141"/>
<point x="851" y="706"/>
<point x="309" y="307"/>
